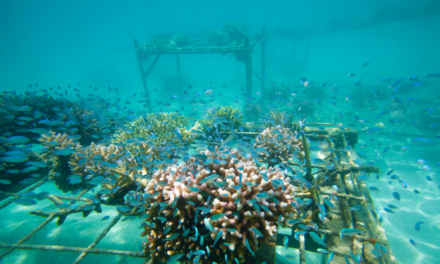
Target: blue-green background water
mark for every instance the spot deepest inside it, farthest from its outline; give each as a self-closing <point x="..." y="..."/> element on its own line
<point x="59" y="43"/>
<point x="56" y="43"/>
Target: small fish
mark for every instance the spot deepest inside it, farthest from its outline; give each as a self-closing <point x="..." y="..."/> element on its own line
<point x="285" y="241"/>
<point x="418" y="225"/>
<point x="17" y="140"/>
<point x="426" y="167"/>
<point x="209" y="92"/>
<point x="396" y="195"/>
<point x="317" y="239"/>
<point x="374" y="189"/>
<point x="388" y="210"/>
<point x="249" y="247"/>
<point x="175" y="258"/>
<point x="412" y="242"/>
<point x="289" y="256"/>
<point x="403" y="184"/>
<point x="428" y="178"/>
<point x="25" y="201"/>
<point x="14" y="159"/>
<point x="350" y="232"/>
<point x="366" y="64"/>
<point x="263" y="195"/>
<point x="174" y="236"/>
<point x="5" y="181"/>
<point x="105" y="218"/>
<point x="322" y="251"/>
<point x="64" y="152"/>
<point x="217" y="217"/>
<point x="217" y="237"/>
<point x="355" y="208"/>
<point x="209" y="226"/>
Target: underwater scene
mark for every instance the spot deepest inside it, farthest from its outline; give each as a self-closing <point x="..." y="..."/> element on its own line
<point x="227" y="132"/>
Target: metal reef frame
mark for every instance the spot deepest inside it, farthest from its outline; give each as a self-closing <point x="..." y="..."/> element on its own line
<point x="62" y="214"/>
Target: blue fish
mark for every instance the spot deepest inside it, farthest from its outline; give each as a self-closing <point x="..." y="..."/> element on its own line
<point x="403" y="184"/>
<point x="249" y="247"/>
<point x="386" y="80"/>
<point x="388" y="210"/>
<point x="386" y="149"/>
<point x="317" y="239"/>
<point x="418" y="225"/>
<point x="417" y="84"/>
<point x="25" y="201"/>
<point x="399" y="81"/>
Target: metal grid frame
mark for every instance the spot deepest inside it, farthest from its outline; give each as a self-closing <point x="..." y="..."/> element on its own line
<point x="360" y="192"/>
<point x="60" y="213"/>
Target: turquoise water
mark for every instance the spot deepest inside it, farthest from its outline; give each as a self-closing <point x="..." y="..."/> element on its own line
<point x="72" y="68"/>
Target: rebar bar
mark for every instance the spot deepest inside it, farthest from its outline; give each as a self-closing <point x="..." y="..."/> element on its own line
<point x="48" y="219"/>
<point x="100" y="236"/>
<point x="73" y="249"/>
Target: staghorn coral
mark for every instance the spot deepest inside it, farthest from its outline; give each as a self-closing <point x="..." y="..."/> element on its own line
<point x="227" y="113"/>
<point x="219" y="121"/>
<point x="224" y="207"/>
<point x="118" y="168"/>
<point x="158" y="127"/>
<point x="279" y="144"/>
<point x="279" y="118"/>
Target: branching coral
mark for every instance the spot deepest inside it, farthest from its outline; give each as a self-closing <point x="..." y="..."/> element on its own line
<point x="278" y="118"/>
<point x="222" y="208"/>
<point x="118" y="168"/>
<point x="219" y="120"/>
<point x="227" y="113"/>
<point x="279" y="144"/>
<point x="157" y="127"/>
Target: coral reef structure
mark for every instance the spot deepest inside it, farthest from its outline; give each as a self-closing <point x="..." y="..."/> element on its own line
<point x="220" y="120"/>
<point x="157" y="127"/>
<point x="278" y="144"/>
<point x="214" y="209"/>
<point x="278" y="118"/>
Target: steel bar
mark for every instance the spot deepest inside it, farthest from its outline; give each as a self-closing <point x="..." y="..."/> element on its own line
<point x="263" y="60"/>
<point x="141" y="69"/>
<point x="133" y="254"/>
<point x="100" y="236"/>
<point x="302" y="249"/>
<point x="179" y="74"/>
<point x="48" y="219"/>
<point x="248" y="63"/>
